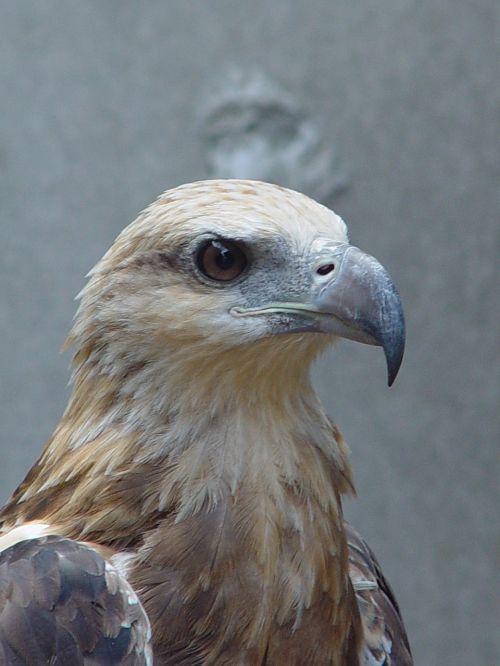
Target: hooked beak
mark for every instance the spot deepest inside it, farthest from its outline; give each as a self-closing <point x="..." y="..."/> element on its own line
<point x="364" y="305"/>
<point x="351" y="296"/>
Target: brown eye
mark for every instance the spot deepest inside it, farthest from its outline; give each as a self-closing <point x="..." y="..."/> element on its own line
<point x="221" y="260"/>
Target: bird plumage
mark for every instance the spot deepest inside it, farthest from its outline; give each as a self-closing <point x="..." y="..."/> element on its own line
<point x="62" y="603"/>
<point x="194" y="455"/>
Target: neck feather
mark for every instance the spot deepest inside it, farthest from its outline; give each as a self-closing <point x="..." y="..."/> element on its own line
<point x="181" y="433"/>
<point x="187" y="475"/>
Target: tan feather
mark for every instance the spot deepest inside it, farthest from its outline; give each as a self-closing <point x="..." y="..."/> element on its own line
<point x="198" y="459"/>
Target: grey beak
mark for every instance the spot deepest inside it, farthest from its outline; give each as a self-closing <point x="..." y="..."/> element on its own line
<point x="364" y="305"/>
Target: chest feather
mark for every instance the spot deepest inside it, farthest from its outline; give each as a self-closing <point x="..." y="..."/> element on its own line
<point x="246" y="583"/>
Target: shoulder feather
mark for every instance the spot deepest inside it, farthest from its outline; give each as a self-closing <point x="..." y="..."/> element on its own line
<point x="385" y="639"/>
<point x="62" y="603"/>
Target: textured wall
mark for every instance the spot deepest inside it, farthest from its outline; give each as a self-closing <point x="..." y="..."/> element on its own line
<point x="99" y="107"/>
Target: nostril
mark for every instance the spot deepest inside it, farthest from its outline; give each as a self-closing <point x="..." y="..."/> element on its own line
<point x="325" y="269"/>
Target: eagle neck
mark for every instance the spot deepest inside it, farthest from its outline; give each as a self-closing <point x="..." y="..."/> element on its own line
<point x="186" y="435"/>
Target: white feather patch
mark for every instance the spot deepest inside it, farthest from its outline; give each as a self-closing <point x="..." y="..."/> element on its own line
<point x="24" y="533"/>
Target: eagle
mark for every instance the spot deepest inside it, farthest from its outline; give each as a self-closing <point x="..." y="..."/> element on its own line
<point x="188" y="508"/>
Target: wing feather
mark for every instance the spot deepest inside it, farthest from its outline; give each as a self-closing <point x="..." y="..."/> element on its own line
<point x="62" y="603"/>
<point x="385" y="639"/>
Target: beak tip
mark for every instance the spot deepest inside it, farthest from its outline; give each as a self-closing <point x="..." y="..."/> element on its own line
<point x="394" y="360"/>
<point x="391" y="378"/>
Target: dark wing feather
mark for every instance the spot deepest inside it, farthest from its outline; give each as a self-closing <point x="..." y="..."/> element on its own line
<point x="61" y="603"/>
<point x="385" y="639"/>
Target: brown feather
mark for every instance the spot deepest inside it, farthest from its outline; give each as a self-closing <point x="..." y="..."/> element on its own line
<point x="61" y="598"/>
<point x="385" y="639"/>
<point x="202" y="465"/>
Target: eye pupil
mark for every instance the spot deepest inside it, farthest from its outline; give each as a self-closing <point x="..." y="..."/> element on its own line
<point x="221" y="260"/>
<point x="225" y="258"/>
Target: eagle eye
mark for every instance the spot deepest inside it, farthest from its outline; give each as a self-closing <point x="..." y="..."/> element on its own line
<point x="221" y="260"/>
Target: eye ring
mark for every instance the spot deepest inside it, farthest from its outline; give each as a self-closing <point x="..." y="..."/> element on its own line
<point x="221" y="260"/>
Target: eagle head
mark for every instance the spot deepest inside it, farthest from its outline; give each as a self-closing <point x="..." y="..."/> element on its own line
<point x="224" y="270"/>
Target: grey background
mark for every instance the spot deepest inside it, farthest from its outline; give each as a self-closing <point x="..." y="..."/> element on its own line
<point x="99" y="101"/>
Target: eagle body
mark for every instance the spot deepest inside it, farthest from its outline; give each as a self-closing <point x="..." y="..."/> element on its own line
<point x="194" y="481"/>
